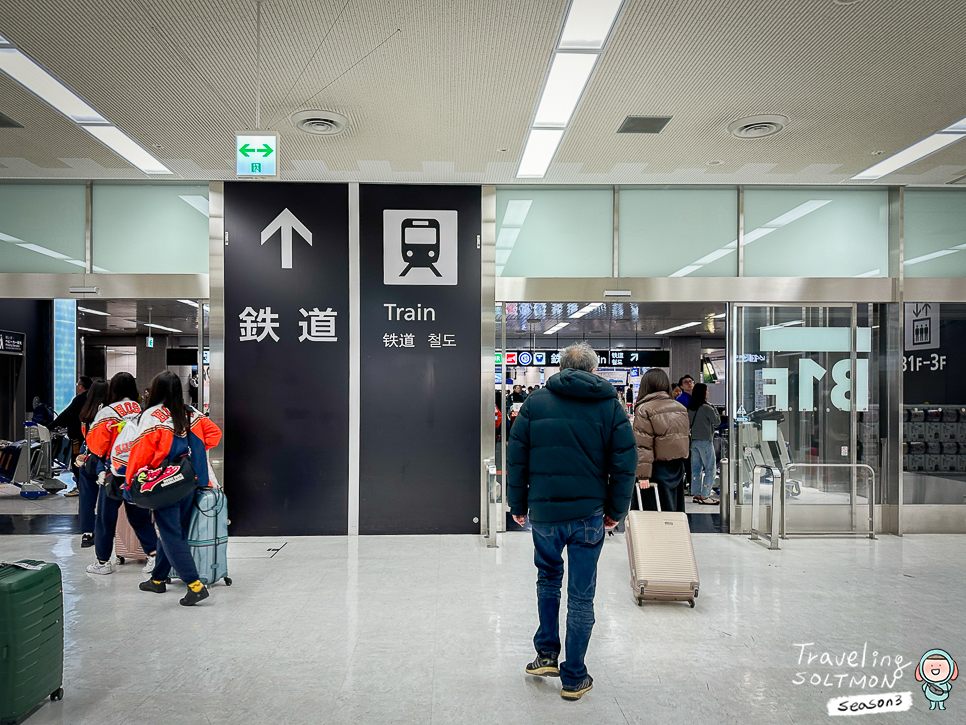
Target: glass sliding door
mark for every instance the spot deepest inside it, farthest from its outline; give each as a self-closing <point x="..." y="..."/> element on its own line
<point x="805" y="403"/>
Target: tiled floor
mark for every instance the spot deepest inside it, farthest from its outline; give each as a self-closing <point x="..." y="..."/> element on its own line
<point x="437" y="630"/>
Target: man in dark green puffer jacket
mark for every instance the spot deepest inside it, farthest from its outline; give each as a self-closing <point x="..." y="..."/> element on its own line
<point x="571" y="461"/>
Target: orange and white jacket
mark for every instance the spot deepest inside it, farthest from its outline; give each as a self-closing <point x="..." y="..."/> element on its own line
<point x="107" y="424"/>
<point x="156" y="440"/>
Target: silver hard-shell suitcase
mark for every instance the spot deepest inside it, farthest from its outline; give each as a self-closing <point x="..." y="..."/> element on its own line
<point x="661" y="554"/>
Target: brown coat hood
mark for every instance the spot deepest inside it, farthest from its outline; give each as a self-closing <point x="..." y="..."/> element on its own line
<point x="662" y="431"/>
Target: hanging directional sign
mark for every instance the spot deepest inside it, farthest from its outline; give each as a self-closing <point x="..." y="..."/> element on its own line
<point x="256" y="155"/>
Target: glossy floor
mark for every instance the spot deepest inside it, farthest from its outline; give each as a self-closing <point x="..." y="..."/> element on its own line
<point x="437" y="630"/>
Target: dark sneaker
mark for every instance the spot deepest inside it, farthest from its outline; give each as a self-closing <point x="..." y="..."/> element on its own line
<point x="576" y="692"/>
<point x="544" y="666"/>
<point x="192" y="598"/>
<point x="151" y="586"/>
<point x="87" y="541"/>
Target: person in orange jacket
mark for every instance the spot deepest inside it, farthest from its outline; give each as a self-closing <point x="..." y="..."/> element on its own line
<point x="120" y="410"/>
<point x="162" y="434"/>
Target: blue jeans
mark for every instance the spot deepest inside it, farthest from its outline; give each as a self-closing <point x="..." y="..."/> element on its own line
<point x="106" y="527"/>
<point x="702" y="468"/>
<point x="583" y="540"/>
<point x="173" y="548"/>
<point x="87" y="488"/>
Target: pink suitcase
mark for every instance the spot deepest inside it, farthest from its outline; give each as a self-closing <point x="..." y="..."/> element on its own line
<point x="126" y="544"/>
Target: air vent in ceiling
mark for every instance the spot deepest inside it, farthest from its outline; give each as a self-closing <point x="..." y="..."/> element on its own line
<point x="7" y="122"/>
<point x="320" y="123"/>
<point x="644" y="124"/>
<point x="757" y="126"/>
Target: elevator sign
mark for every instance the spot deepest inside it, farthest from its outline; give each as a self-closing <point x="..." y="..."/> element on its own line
<point x="255" y="155"/>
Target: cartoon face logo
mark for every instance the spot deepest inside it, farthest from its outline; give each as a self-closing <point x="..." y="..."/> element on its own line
<point x="936" y="671"/>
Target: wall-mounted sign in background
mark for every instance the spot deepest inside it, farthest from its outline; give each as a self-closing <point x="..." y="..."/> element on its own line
<point x="287" y="357"/>
<point x="935" y="340"/>
<point x="605" y="358"/>
<point x="12" y="343"/>
<point x="420" y="348"/>
<point x="922" y="326"/>
<point x="256" y="154"/>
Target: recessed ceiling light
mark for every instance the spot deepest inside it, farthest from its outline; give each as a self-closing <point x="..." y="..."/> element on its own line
<point x="35" y="79"/>
<point x="917" y="151"/>
<point x="685" y="326"/>
<point x="124" y="146"/>
<point x="94" y="312"/>
<point x="846" y="2"/>
<point x="538" y="153"/>
<point x="87" y="329"/>
<point x="716" y="162"/>
<point x="588" y="24"/>
<point x="569" y="73"/>
<point x="189" y="302"/>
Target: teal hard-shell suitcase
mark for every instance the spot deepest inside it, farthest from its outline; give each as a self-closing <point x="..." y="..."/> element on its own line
<point x="31" y="637"/>
<point x="208" y="536"/>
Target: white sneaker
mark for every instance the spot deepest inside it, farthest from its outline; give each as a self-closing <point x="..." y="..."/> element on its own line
<point x="97" y="567"/>
<point x="149" y="567"/>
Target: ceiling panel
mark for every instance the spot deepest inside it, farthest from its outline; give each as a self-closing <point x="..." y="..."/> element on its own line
<point x="128" y="317"/>
<point x="444" y="92"/>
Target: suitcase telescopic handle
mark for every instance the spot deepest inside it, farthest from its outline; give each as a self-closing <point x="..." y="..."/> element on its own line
<point x="640" y="501"/>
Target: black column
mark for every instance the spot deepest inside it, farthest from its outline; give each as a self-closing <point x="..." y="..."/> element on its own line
<point x="287" y="400"/>
<point x="420" y="368"/>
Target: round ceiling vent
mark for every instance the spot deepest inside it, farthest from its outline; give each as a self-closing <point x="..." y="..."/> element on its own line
<point x="757" y="126"/>
<point x="320" y="123"/>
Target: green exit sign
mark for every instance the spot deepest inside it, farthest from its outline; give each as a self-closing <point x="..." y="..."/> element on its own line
<point x="256" y="154"/>
<point x="499" y="358"/>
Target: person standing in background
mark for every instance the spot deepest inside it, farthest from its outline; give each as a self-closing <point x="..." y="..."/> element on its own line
<point x="704" y="420"/>
<point x="687" y="385"/>
<point x="70" y="419"/>
<point x="661" y="428"/>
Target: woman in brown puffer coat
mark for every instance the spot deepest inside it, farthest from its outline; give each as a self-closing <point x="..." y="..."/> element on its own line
<point x="663" y="442"/>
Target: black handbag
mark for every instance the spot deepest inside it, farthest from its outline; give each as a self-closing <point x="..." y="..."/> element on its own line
<point x="163" y="486"/>
<point x="113" y="485"/>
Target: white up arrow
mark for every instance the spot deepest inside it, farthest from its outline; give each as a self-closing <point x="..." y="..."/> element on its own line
<point x="286" y="222"/>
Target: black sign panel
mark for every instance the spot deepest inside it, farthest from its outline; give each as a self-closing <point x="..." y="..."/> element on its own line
<point x="605" y="358"/>
<point x="12" y="343"/>
<point x="932" y="376"/>
<point x="287" y="358"/>
<point x="420" y="347"/>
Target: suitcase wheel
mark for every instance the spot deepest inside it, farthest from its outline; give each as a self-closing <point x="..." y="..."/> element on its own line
<point x="120" y="560"/>
<point x="640" y="602"/>
<point x="57" y="694"/>
<point x="691" y="602"/>
<point x="227" y="581"/>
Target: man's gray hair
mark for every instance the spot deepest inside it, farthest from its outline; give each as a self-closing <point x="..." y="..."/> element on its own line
<point x="579" y="356"/>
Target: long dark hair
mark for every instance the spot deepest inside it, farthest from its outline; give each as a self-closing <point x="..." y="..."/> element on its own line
<point x="166" y="390"/>
<point x="96" y="397"/>
<point x="122" y="386"/>
<point x="699" y="396"/>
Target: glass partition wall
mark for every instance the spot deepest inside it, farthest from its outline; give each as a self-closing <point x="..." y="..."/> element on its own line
<point x="806" y="402"/>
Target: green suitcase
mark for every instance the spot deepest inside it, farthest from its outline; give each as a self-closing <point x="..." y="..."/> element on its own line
<point x="31" y="638"/>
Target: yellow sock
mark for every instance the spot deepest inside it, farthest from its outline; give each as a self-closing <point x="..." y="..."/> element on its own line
<point x="156" y="581"/>
<point x="196" y="586"/>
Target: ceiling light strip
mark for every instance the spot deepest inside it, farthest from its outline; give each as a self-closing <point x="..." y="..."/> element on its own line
<point x="930" y="144"/>
<point x="685" y="326"/>
<point x="585" y="32"/>
<point x="35" y="79"/>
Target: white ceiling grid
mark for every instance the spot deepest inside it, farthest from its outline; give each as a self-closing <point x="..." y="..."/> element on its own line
<point x="434" y="90"/>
